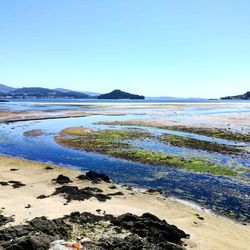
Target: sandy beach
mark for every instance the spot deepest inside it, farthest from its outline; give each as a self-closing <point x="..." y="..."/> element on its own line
<point x="214" y="232"/>
<point x="124" y="125"/>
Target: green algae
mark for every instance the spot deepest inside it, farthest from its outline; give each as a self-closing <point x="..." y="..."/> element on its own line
<point x="210" y="132"/>
<point x="159" y="159"/>
<point x="114" y="143"/>
<point x="187" y="142"/>
<point x="76" y="131"/>
<point x="100" y="140"/>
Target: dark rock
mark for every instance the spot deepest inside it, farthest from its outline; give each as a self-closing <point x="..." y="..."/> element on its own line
<point x="36" y="235"/>
<point x="17" y="184"/>
<point x="150" y="227"/>
<point x="40" y="242"/>
<point x="145" y="232"/>
<point x="130" y="242"/>
<point x="42" y="196"/>
<point x="4" y="220"/>
<point x="62" y="179"/>
<point x="97" y="177"/>
<point x="4" y="183"/>
<point x="48" y="168"/>
<point x="91" y="189"/>
<point x="28" y="206"/>
<point x="74" y="193"/>
<point x="200" y="218"/>
<point x="153" y="191"/>
<point x="115" y="194"/>
<point x="82" y="177"/>
<point x="51" y="227"/>
<point x="14" y="169"/>
<point x="83" y="218"/>
<point x="113" y="187"/>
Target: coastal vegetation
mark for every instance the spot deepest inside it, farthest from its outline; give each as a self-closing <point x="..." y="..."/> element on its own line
<point x="119" y="144"/>
<point x="155" y="158"/>
<point x="187" y="142"/>
<point x="210" y="132"/>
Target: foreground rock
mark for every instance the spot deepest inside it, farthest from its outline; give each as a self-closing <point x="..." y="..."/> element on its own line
<point x="4" y="220"/>
<point x="103" y="232"/>
<point x="37" y="234"/>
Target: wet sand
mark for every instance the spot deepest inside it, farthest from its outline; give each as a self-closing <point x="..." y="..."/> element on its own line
<point x="164" y="113"/>
<point x="214" y="232"/>
<point x="17" y="116"/>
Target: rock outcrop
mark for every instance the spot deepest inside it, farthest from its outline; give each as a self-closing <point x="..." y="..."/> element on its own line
<point x="127" y="231"/>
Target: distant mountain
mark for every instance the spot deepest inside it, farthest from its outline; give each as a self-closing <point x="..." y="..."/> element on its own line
<point x="36" y="92"/>
<point x="84" y="92"/>
<point x="245" y="96"/>
<point x="92" y="94"/>
<point x="5" y="89"/>
<point x="118" y="94"/>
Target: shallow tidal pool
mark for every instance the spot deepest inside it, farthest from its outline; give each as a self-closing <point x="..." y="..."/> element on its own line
<point x="222" y="194"/>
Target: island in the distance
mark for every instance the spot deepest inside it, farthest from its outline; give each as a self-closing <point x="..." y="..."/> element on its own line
<point x="118" y="94"/>
<point x="245" y="96"/>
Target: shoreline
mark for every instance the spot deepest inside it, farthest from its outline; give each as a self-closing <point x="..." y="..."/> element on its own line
<point x="211" y="232"/>
<point x="142" y="190"/>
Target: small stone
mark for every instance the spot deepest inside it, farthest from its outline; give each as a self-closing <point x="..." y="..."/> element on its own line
<point x="48" y="168"/>
<point x="42" y="196"/>
<point x="28" y="206"/>
<point x="98" y="211"/>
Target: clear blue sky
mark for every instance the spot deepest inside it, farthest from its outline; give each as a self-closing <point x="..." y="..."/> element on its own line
<point x="158" y="48"/>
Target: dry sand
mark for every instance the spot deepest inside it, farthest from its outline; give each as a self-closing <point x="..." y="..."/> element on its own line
<point x="212" y="233"/>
